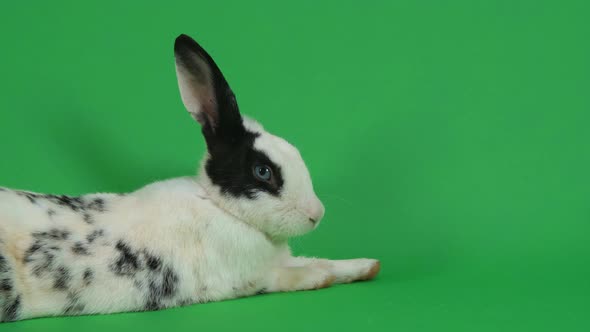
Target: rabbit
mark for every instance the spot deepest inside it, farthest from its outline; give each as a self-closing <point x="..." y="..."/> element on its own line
<point x="219" y="235"/>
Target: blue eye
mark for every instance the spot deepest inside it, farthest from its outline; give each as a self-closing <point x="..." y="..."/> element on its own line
<point x="262" y="173"/>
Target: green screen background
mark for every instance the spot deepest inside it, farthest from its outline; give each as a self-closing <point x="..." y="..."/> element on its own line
<point x="450" y="139"/>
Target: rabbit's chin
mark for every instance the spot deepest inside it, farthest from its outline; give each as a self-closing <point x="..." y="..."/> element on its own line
<point x="286" y="229"/>
<point x="269" y="216"/>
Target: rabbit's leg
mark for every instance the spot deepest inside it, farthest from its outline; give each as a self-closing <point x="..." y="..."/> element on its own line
<point x="345" y="271"/>
<point x="296" y="278"/>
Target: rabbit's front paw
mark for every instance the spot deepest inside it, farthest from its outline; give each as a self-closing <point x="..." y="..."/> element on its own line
<point x="351" y="270"/>
<point x="371" y="269"/>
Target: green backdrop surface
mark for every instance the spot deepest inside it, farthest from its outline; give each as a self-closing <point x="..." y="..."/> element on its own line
<point x="450" y="139"/>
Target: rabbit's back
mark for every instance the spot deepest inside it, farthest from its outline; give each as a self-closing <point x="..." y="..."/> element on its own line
<point x="70" y="255"/>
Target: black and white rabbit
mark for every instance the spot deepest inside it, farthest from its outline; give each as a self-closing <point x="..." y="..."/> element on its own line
<point x="220" y="235"/>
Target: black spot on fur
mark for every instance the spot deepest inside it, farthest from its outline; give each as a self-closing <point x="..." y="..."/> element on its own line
<point x="88" y="276"/>
<point x="11" y="310"/>
<point x="80" y="248"/>
<point x="9" y="304"/>
<point x="45" y="264"/>
<point x="152" y="304"/>
<point x="94" y="235"/>
<point x="170" y="283"/>
<point x="261" y="291"/>
<point x="147" y="271"/>
<point x="88" y="218"/>
<point x="3" y="264"/>
<point x="6" y="285"/>
<point x="40" y="255"/>
<point x="62" y="278"/>
<point x="74" y="203"/>
<point x="97" y="204"/>
<point x="53" y="234"/>
<point x="162" y="286"/>
<point x="74" y="306"/>
<point x="128" y="262"/>
<point x="32" y="197"/>
<point x="152" y="262"/>
<point x="185" y="302"/>
<point x="31" y="251"/>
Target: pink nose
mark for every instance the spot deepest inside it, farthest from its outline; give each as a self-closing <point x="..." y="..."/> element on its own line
<point x="315" y="210"/>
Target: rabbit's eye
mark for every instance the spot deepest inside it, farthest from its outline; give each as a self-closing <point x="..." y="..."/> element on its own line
<point x="263" y="173"/>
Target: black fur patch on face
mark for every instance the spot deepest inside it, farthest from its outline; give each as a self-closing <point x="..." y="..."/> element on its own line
<point x="11" y="310"/>
<point x="128" y="262"/>
<point x="231" y="168"/>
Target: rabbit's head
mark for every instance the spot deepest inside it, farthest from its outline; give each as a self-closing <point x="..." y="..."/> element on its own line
<point x="253" y="175"/>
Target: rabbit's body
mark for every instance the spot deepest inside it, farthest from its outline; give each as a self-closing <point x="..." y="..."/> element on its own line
<point x="220" y="235"/>
<point x="164" y="245"/>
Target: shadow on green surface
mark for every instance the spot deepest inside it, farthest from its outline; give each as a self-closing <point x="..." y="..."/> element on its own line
<point x="112" y="166"/>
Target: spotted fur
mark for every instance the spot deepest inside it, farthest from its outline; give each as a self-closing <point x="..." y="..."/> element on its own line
<point x="220" y="235"/>
<point x="10" y="298"/>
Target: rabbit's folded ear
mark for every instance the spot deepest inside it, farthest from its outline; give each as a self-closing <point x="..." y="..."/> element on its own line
<point x="205" y="92"/>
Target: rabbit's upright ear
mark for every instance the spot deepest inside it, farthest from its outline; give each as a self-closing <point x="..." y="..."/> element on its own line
<point x="205" y="93"/>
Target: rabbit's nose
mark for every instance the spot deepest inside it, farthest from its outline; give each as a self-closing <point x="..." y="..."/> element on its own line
<point x="315" y="210"/>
